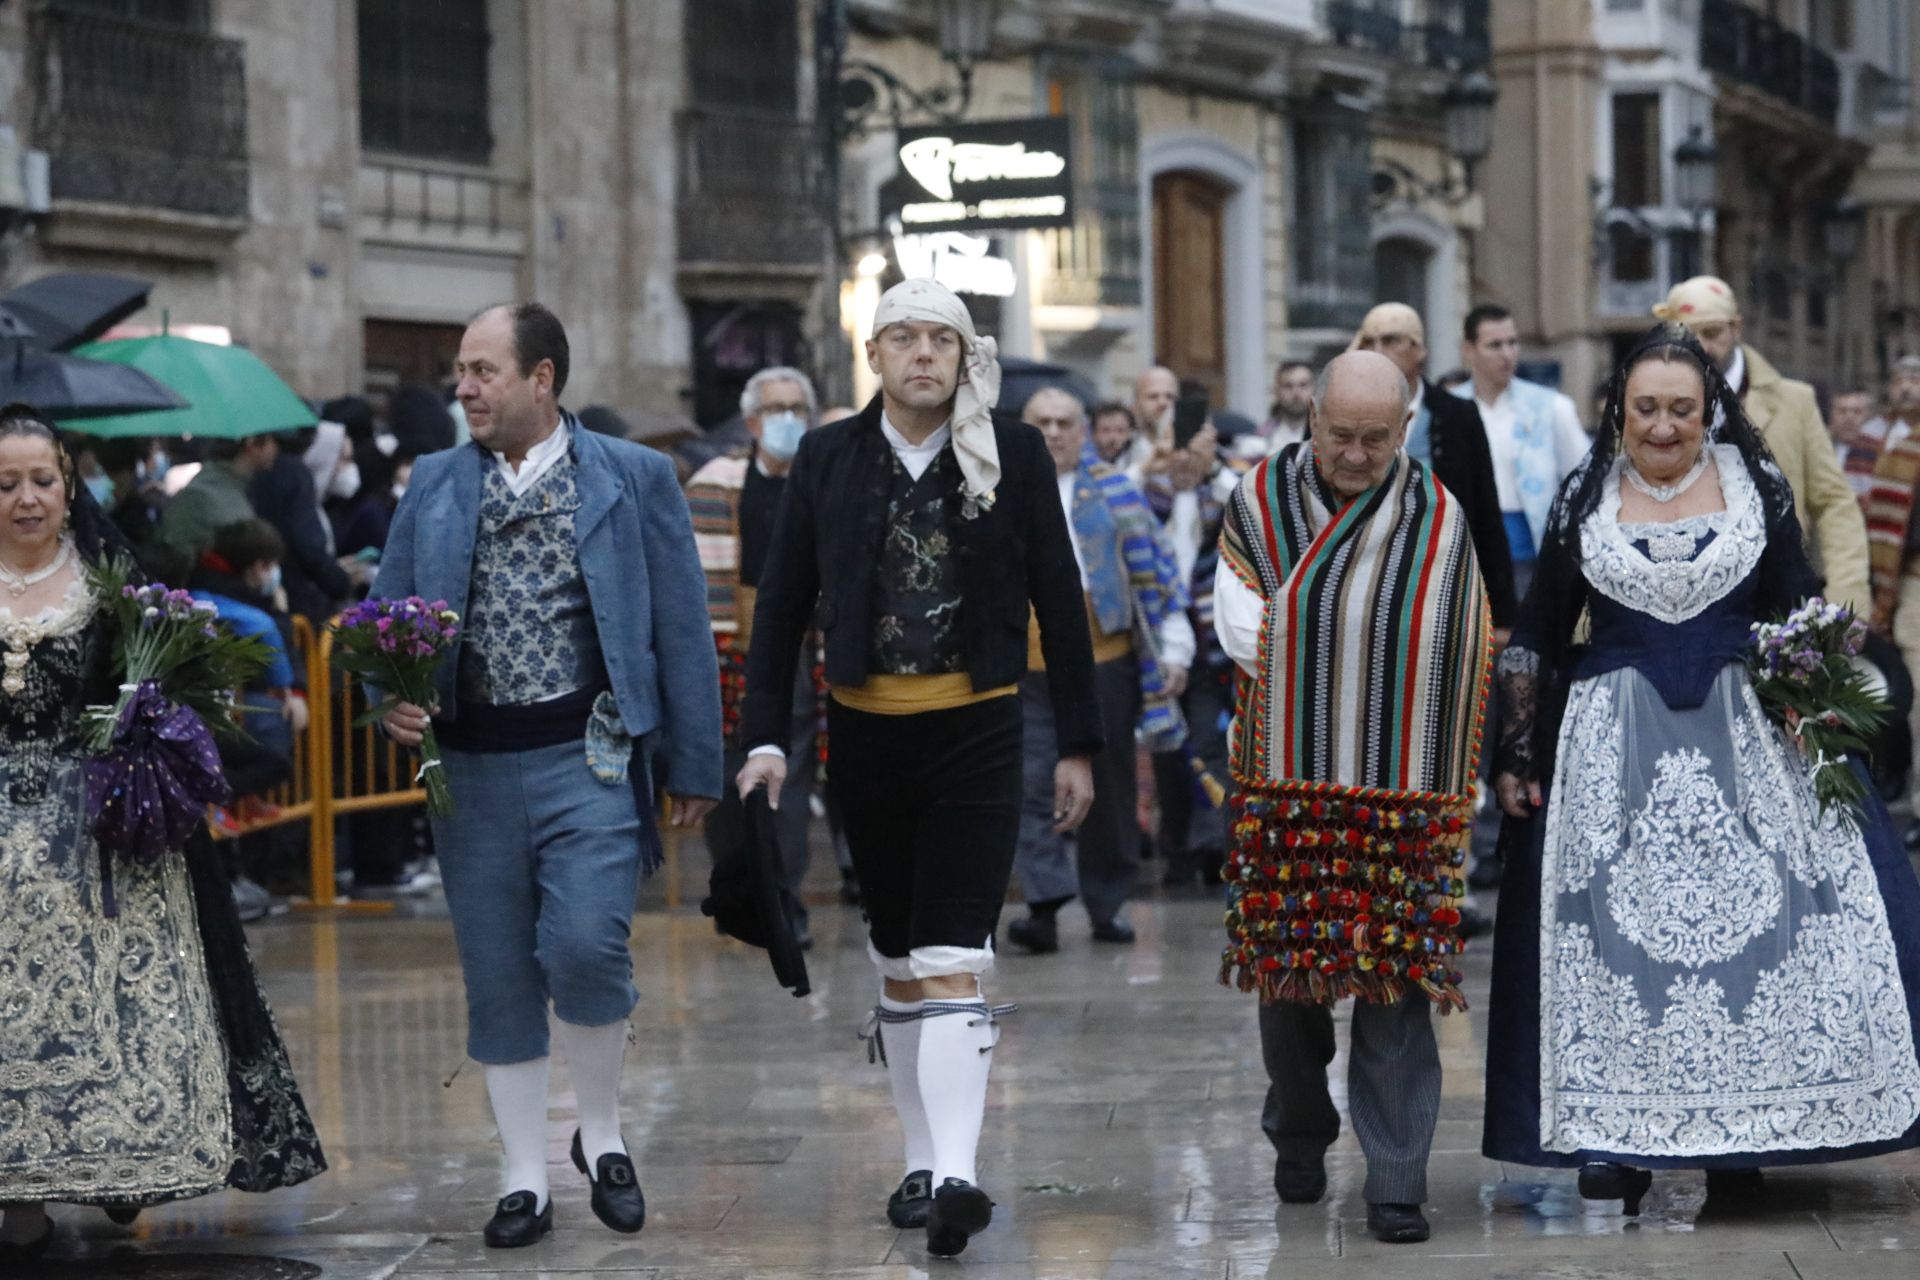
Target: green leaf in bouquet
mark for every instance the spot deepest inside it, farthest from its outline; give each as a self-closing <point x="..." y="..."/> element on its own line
<point x="378" y="711"/>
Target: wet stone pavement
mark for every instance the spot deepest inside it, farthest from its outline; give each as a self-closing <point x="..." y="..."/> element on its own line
<point x="1122" y="1138"/>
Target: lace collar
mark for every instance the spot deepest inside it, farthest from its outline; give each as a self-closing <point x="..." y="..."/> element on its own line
<point x="67" y="614"/>
<point x="1676" y="590"/>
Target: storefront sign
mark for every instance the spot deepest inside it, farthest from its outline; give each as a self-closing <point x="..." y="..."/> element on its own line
<point x="959" y="261"/>
<point x="998" y="175"/>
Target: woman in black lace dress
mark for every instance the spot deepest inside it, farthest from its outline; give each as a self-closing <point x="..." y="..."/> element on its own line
<point x="138" y="1061"/>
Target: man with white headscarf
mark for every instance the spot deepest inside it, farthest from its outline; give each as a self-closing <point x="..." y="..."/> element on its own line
<point x="918" y="535"/>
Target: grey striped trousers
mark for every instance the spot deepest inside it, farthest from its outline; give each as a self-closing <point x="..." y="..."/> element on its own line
<point x="1393" y="1089"/>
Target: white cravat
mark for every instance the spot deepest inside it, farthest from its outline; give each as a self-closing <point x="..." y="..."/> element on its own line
<point x="539" y="460"/>
<point x="916" y="458"/>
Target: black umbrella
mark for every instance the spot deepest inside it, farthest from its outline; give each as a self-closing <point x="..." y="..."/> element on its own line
<point x="66" y="310"/>
<point x="70" y="387"/>
<point x="748" y="902"/>
<point x="1019" y="379"/>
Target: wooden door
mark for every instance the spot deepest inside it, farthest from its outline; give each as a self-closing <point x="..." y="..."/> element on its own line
<point x="1189" y="287"/>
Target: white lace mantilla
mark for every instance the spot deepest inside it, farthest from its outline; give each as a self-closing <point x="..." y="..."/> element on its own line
<point x="1670" y="582"/>
<point x="1717" y="972"/>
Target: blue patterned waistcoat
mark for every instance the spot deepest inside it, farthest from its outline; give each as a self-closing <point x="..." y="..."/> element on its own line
<point x="529" y="625"/>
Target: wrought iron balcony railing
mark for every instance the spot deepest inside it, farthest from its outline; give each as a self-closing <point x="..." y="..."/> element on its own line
<point x="749" y="189"/>
<point x="1746" y="45"/>
<point x="1456" y="35"/>
<point x="140" y="114"/>
<point x="1361" y="25"/>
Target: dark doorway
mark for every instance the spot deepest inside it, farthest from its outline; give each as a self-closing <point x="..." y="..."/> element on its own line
<point x="734" y="340"/>
<point x="401" y="353"/>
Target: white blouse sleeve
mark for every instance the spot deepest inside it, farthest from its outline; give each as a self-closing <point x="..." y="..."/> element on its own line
<point x="1237" y="614"/>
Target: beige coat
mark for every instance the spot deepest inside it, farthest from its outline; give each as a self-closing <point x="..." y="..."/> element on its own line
<point x="1789" y="419"/>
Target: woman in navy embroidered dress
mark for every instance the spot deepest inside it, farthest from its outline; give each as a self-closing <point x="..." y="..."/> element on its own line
<point x="1694" y="967"/>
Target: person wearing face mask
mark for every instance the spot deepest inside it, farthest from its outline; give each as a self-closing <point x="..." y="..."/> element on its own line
<point x="733" y="501"/>
<point x="285" y="494"/>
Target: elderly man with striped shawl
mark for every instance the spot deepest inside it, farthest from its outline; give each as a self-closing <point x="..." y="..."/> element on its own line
<point x="1143" y="645"/>
<point x="1349" y="597"/>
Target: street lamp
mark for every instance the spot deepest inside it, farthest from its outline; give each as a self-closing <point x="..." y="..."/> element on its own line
<point x="1468" y="111"/>
<point x="966" y="40"/>
<point x="1469" y="114"/>
<point x="966" y="31"/>
<point x="1842" y="224"/>
<point x="1696" y="173"/>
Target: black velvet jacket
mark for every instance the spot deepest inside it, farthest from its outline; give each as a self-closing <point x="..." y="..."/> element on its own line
<point x="1463" y="462"/>
<point x="826" y="544"/>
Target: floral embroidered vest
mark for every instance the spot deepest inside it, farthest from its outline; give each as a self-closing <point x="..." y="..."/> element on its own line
<point x="916" y="585"/>
<point x="529" y="626"/>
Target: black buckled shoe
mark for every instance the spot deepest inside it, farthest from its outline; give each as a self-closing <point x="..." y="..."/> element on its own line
<point x="959" y="1211"/>
<point x="617" y="1199"/>
<point x="907" y="1207"/>
<point x="1300" y="1181"/>
<point x="1606" y="1180"/>
<point x="1036" y="935"/>
<point x="13" y="1255"/>
<point x="1397" y="1223"/>
<point x="516" y="1223"/>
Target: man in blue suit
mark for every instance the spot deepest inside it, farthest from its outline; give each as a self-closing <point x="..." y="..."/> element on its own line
<point x="585" y="653"/>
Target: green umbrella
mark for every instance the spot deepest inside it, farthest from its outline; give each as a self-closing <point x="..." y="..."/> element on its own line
<point x="230" y="392"/>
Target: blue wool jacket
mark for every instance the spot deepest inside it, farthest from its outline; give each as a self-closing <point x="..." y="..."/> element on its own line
<point x="643" y="579"/>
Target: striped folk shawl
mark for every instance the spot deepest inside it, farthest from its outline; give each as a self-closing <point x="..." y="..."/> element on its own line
<point x="1155" y="589"/>
<point x="1889" y="512"/>
<point x="1374" y="648"/>
<point x="1356" y="743"/>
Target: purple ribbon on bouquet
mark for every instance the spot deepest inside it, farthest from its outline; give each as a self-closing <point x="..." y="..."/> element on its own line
<point x="151" y="789"/>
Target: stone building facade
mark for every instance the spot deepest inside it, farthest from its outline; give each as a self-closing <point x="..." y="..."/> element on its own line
<point x="1250" y="175"/>
<point x="341" y="183"/>
<point x="1805" y="105"/>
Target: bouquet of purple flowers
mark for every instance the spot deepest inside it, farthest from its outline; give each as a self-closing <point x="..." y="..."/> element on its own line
<point x="1803" y="672"/>
<point x="397" y="646"/>
<point x="152" y="766"/>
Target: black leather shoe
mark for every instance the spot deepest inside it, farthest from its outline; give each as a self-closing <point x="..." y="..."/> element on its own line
<point x="907" y="1207"/>
<point x="1735" y="1187"/>
<point x="122" y="1215"/>
<point x="515" y="1224"/>
<point x="1039" y="935"/>
<point x="1605" y="1180"/>
<point x="13" y="1255"/>
<point x="959" y="1211"/>
<point x="1114" y="930"/>
<point x="1300" y="1181"/>
<point x="1397" y="1223"/>
<point x="617" y="1200"/>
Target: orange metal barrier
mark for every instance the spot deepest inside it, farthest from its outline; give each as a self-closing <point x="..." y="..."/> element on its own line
<point x="293" y="799"/>
<point x="358" y="770"/>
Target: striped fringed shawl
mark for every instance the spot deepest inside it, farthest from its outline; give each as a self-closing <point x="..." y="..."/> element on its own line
<point x="1889" y="512"/>
<point x="1153" y="577"/>
<point x="1355" y="747"/>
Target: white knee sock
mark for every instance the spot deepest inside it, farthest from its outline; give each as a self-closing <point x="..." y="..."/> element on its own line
<point x="903" y="1073"/>
<point x="955" y="1053"/>
<point x="519" y="1094"/>
<point x="24" y="1223"/>
<point x="594" y="1058"/>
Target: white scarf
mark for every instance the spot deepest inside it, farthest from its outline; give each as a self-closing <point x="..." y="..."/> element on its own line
<point x="973" y="443"/>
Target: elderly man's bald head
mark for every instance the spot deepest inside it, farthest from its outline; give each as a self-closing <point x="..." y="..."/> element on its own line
<point x="1359" y="423"/>
<point x="1153" y="395"/>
